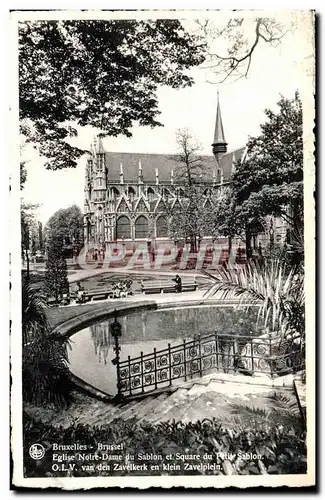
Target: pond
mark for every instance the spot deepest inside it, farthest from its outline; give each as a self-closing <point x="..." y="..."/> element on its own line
<point x="92" y="348"/>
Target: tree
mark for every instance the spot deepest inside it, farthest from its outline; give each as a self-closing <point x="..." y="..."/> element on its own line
<point x="270" y="180"/>
<point x="40" y="236"/>
<point x="228" y="220"/>
<point x="66" y="225"/>
<point x="45" y="372"/>
<point x="240" y="39"/>
<point x="27" y="223"/>
<point x="99" y="73"/>
<point x="190" y="221"/>
<point x="23" y="174"/>
<point x="56" y="274"/>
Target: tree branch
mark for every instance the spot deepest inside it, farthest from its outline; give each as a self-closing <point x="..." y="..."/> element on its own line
<point x="239" y="65"/>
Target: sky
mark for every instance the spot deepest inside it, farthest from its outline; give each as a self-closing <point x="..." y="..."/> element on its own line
<point x="273" y="71"/>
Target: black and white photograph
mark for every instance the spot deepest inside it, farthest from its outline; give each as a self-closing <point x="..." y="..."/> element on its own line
<point x="162" y="255"/>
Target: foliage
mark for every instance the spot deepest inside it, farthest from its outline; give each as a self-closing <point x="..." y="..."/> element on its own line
<point x="106" y="75"/>
<point x="56" y="274"/>
<point x="282" y="447"/>
<point x="23" y="174"/>
<point x="34" y="320"/>
<point x="270" y="181"/>
<point x="281" y="410"/>
<point x="45" y="371"/>
<point x="228" y="218"/>
<point x="28" y="228"/>
<point x="66" y="225"/>
<point x="278" y="292"/>
<point x="45" y="375"/>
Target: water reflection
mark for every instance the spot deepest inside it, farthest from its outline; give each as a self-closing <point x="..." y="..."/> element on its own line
<point x="92" y="348"/>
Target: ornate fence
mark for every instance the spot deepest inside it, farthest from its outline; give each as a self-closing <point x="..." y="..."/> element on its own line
<point x="211" y="353"/>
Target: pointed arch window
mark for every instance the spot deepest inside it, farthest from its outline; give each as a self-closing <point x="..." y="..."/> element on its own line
<point x="141" y="227"/>
<point x="131" y="193"/>
<point x="151" y="194"/>
<point x="123" y="227"/>
<point x="115" y="192"/>
<point x="161" y="227"/>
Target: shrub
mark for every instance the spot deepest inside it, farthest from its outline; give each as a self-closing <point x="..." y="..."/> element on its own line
<point x="282" y="448"/>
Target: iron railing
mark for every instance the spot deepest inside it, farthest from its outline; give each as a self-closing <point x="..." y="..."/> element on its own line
<point x="206" y="354"/>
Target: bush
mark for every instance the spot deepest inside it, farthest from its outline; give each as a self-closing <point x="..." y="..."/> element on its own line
<point x="282" y="449"/>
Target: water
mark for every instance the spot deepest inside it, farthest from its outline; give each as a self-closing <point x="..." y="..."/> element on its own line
<point x="92" y="348"/>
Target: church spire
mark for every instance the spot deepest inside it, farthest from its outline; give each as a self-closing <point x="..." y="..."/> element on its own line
<point x="219" y="146"/>
<point x="99" y="145"/>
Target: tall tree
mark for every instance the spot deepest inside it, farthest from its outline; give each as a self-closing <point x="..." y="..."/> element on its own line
<point x="99" y="73"/>
<point x="27" y="223"/>
<point x="40" y="236"/>
<point x="228" y="219"/>
<point x="56" y="274"/>
<point x="270" y="180"/>
<point x="66" y="225"/>
<point x="189" y="222"/>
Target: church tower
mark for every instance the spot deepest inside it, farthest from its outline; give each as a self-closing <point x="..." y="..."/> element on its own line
<point x="219" y="146"/>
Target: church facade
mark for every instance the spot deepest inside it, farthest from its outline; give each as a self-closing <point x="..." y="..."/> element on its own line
<point x="128" y="196"/>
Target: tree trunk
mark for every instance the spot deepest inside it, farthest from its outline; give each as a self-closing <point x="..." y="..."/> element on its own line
<point x="193" y="244"/>
<point x="27" y="264"/>
<point x="248" y="237"/>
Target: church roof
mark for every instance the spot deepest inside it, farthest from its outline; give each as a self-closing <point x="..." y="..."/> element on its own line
<point x="164" y="163"/>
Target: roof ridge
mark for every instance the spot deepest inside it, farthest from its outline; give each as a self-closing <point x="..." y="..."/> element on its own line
<point x="155" y="154"/>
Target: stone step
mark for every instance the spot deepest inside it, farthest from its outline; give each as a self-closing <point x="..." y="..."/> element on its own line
<point x="169" y="402"/>
<point x="209" y="405"/>
<point x="136" y="408"/>
<point x="123" y="410"/>
<point x="104" y="416"/>
<point x="173" y="411"/>
<point x="146" y="408"/>
<point x="196" y="390"/>
<point x="175" y="403"/>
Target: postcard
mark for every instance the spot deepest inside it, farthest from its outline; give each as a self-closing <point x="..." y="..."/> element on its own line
<point x="162" y="249"/>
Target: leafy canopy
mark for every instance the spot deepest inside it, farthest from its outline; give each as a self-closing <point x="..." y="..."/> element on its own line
<point x="271" y="178"/>
<point x="99" y="73"/>
<point x="66" y="224"/>
<point x="269" y="182"/>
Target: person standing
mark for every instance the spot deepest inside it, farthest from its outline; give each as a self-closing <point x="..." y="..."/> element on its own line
<point x="178" y="281"/>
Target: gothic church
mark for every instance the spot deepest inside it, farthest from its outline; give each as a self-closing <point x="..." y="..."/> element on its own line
<point x="127" y="194"/>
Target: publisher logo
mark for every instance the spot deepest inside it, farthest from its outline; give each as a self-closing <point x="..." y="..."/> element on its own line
<point x="37" y="451"/>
